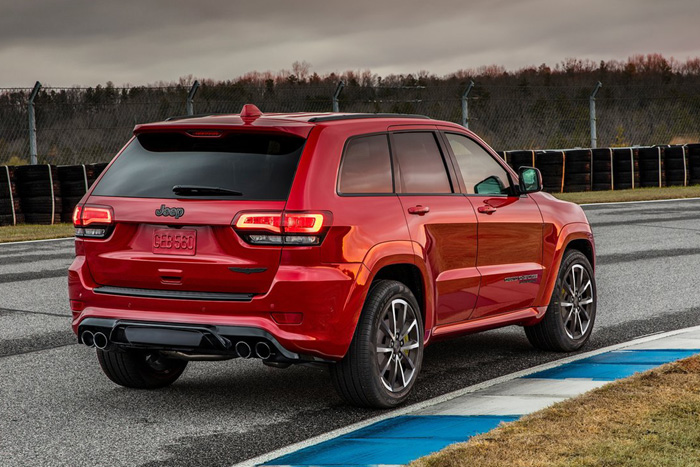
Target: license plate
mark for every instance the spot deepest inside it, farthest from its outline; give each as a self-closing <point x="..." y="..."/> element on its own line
<point x="175" y="242"/>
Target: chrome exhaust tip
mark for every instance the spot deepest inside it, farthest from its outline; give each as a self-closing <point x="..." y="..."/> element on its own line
<point x="100" y="340"/>
<point x="88" y="338"/>
<point x="262" y="350"/>
<point x="243" y="349"/>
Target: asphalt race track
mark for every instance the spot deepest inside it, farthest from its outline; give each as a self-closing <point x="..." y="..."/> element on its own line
<point x="57" y="408"/>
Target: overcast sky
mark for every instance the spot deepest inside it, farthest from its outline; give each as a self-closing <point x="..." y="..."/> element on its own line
<point x="86" y="42"/>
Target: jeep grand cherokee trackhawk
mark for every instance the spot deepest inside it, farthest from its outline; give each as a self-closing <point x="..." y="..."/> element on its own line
<point x="348" y="239"/>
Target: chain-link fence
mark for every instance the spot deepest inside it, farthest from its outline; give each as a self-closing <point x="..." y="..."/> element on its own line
<point x="87" y="125"/>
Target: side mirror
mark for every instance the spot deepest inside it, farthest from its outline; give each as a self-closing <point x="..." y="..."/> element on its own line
<point x="530" y="180"/>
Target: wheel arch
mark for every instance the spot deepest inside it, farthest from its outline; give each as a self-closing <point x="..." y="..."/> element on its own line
<point x="393" y="261"/>
<point x="584" y="246"/>
<point x="410" y="275"/>
<point x="576" y="236"/>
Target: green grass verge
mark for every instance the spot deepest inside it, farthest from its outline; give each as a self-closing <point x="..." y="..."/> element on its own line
<point x="639" y="194"/>
<point x="24" y="232"/>
<point x="649" y="419"/>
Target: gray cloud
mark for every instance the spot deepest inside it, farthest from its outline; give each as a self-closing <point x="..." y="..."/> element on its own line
<point x="88" y="42"/>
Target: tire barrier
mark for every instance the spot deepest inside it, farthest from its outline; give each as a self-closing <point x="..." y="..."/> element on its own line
<point x="10" y="208"/>
<point x="75" y="181"/>
<point x="693" y="161"/>
<point x="611" y="168"/>
<point x="47" y="194"/>
<point x="43" y="194"/>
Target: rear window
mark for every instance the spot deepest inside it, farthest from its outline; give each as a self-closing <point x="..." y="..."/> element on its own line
<point x="260" y="166"/>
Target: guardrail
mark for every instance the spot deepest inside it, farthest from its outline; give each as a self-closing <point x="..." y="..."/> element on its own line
<point x="47" y="194"/>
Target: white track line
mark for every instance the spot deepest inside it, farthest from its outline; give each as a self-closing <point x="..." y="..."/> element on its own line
<point x="639" y="202"/>
<point x="37" y="241"/>
<point x="445" y="397"/>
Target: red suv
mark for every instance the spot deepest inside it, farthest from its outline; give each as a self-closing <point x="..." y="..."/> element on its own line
<point x="348" y="239"/>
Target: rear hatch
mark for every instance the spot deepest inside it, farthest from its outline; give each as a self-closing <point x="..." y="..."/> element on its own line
<point x="174" y="196"/>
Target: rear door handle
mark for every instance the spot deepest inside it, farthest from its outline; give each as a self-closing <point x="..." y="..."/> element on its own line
<point x="419" y="210"/>
<point x="486" y="209"/>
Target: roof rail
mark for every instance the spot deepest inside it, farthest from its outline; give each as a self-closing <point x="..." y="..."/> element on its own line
<point x="332" y="118"/>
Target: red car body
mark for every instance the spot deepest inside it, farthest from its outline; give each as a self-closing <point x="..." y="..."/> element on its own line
<point x="473" y="262"/>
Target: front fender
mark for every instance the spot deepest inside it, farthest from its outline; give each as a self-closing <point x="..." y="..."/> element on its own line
<point x="555" y="245"/>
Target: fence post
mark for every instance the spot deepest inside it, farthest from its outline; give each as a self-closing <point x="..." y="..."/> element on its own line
<point x="190" y="97"/>
<point x="465" y="109"/>
<point x="32" y="124"/>
<point x="336" y="95"/>
<point x="591" y="103"/>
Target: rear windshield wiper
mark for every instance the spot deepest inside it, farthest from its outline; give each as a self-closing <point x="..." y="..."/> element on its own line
<point x="196" y="190"/>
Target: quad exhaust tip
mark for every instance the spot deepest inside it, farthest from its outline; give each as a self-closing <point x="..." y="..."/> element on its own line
<point x="88" y="338"/>
<point x="262" y="350"/>
<point x="243" y="349"/>
<point x="100" y="340"/>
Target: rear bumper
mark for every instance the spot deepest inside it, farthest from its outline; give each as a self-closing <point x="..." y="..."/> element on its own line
<point x="330" y="298"/>
<point x="233" y="341"/>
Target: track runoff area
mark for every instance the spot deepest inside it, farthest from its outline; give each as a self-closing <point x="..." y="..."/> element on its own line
<point x="456" y="417"/>
<point x="57" y="408"/>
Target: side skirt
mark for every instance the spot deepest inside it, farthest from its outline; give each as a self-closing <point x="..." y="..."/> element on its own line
<point x="526" y="316"/>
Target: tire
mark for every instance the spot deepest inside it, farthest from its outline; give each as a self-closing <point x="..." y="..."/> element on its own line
<point x="73" y="173"/>
<point x="577" y="167"/>
<point x="29" y="173"/>
<point x="552" y="333"/>
<point x="358" y="377"/>
<point x="138" y="369"/>
<point x="598" y="177"/>
<point x="579" y="179"/>
<point x="6" y="206"/>
<point x="602" y="166"/>
<point x="41" y="205"/>
<point x="674" y="163"/>
<point x="73" y="188"/>
<point x="40" y="188"/>
<point x="45" y="219"/>
<point x="601" y="187"/>
<point x="6" y="219"/>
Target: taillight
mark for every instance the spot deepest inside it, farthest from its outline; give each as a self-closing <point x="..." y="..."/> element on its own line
<point x="260" y="221"/>
<point x="283" y="228"/>
<point x="303" y="223"/>
<point x="93" y="221"/>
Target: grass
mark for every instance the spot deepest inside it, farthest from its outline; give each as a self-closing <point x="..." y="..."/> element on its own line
<point x="639" y="194"/>
<point x="23" y="232"/>
<point x="650" y="419"/>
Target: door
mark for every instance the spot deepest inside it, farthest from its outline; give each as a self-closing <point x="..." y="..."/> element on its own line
<point x="441" y="224"/>
<point x="510" y="230"/>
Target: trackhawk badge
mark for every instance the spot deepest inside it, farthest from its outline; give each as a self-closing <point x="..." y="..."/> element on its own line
<point x="170" y="212"/>
<point x="526" y="279"/>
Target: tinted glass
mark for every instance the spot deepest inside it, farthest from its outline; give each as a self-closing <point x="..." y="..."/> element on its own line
<point x="421" y="164"/>
<point x="482" y="175"/>
<point x="261" y="166"/>
<point x="366" y="166"/>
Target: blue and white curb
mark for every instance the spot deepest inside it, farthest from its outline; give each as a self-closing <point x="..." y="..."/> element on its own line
<point x="404" y="435"/>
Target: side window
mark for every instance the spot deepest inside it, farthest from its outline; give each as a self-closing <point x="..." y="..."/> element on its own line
<point x="366" y="166"/>
<point x="421" y="164"/>
<point x="482" y="175"/>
